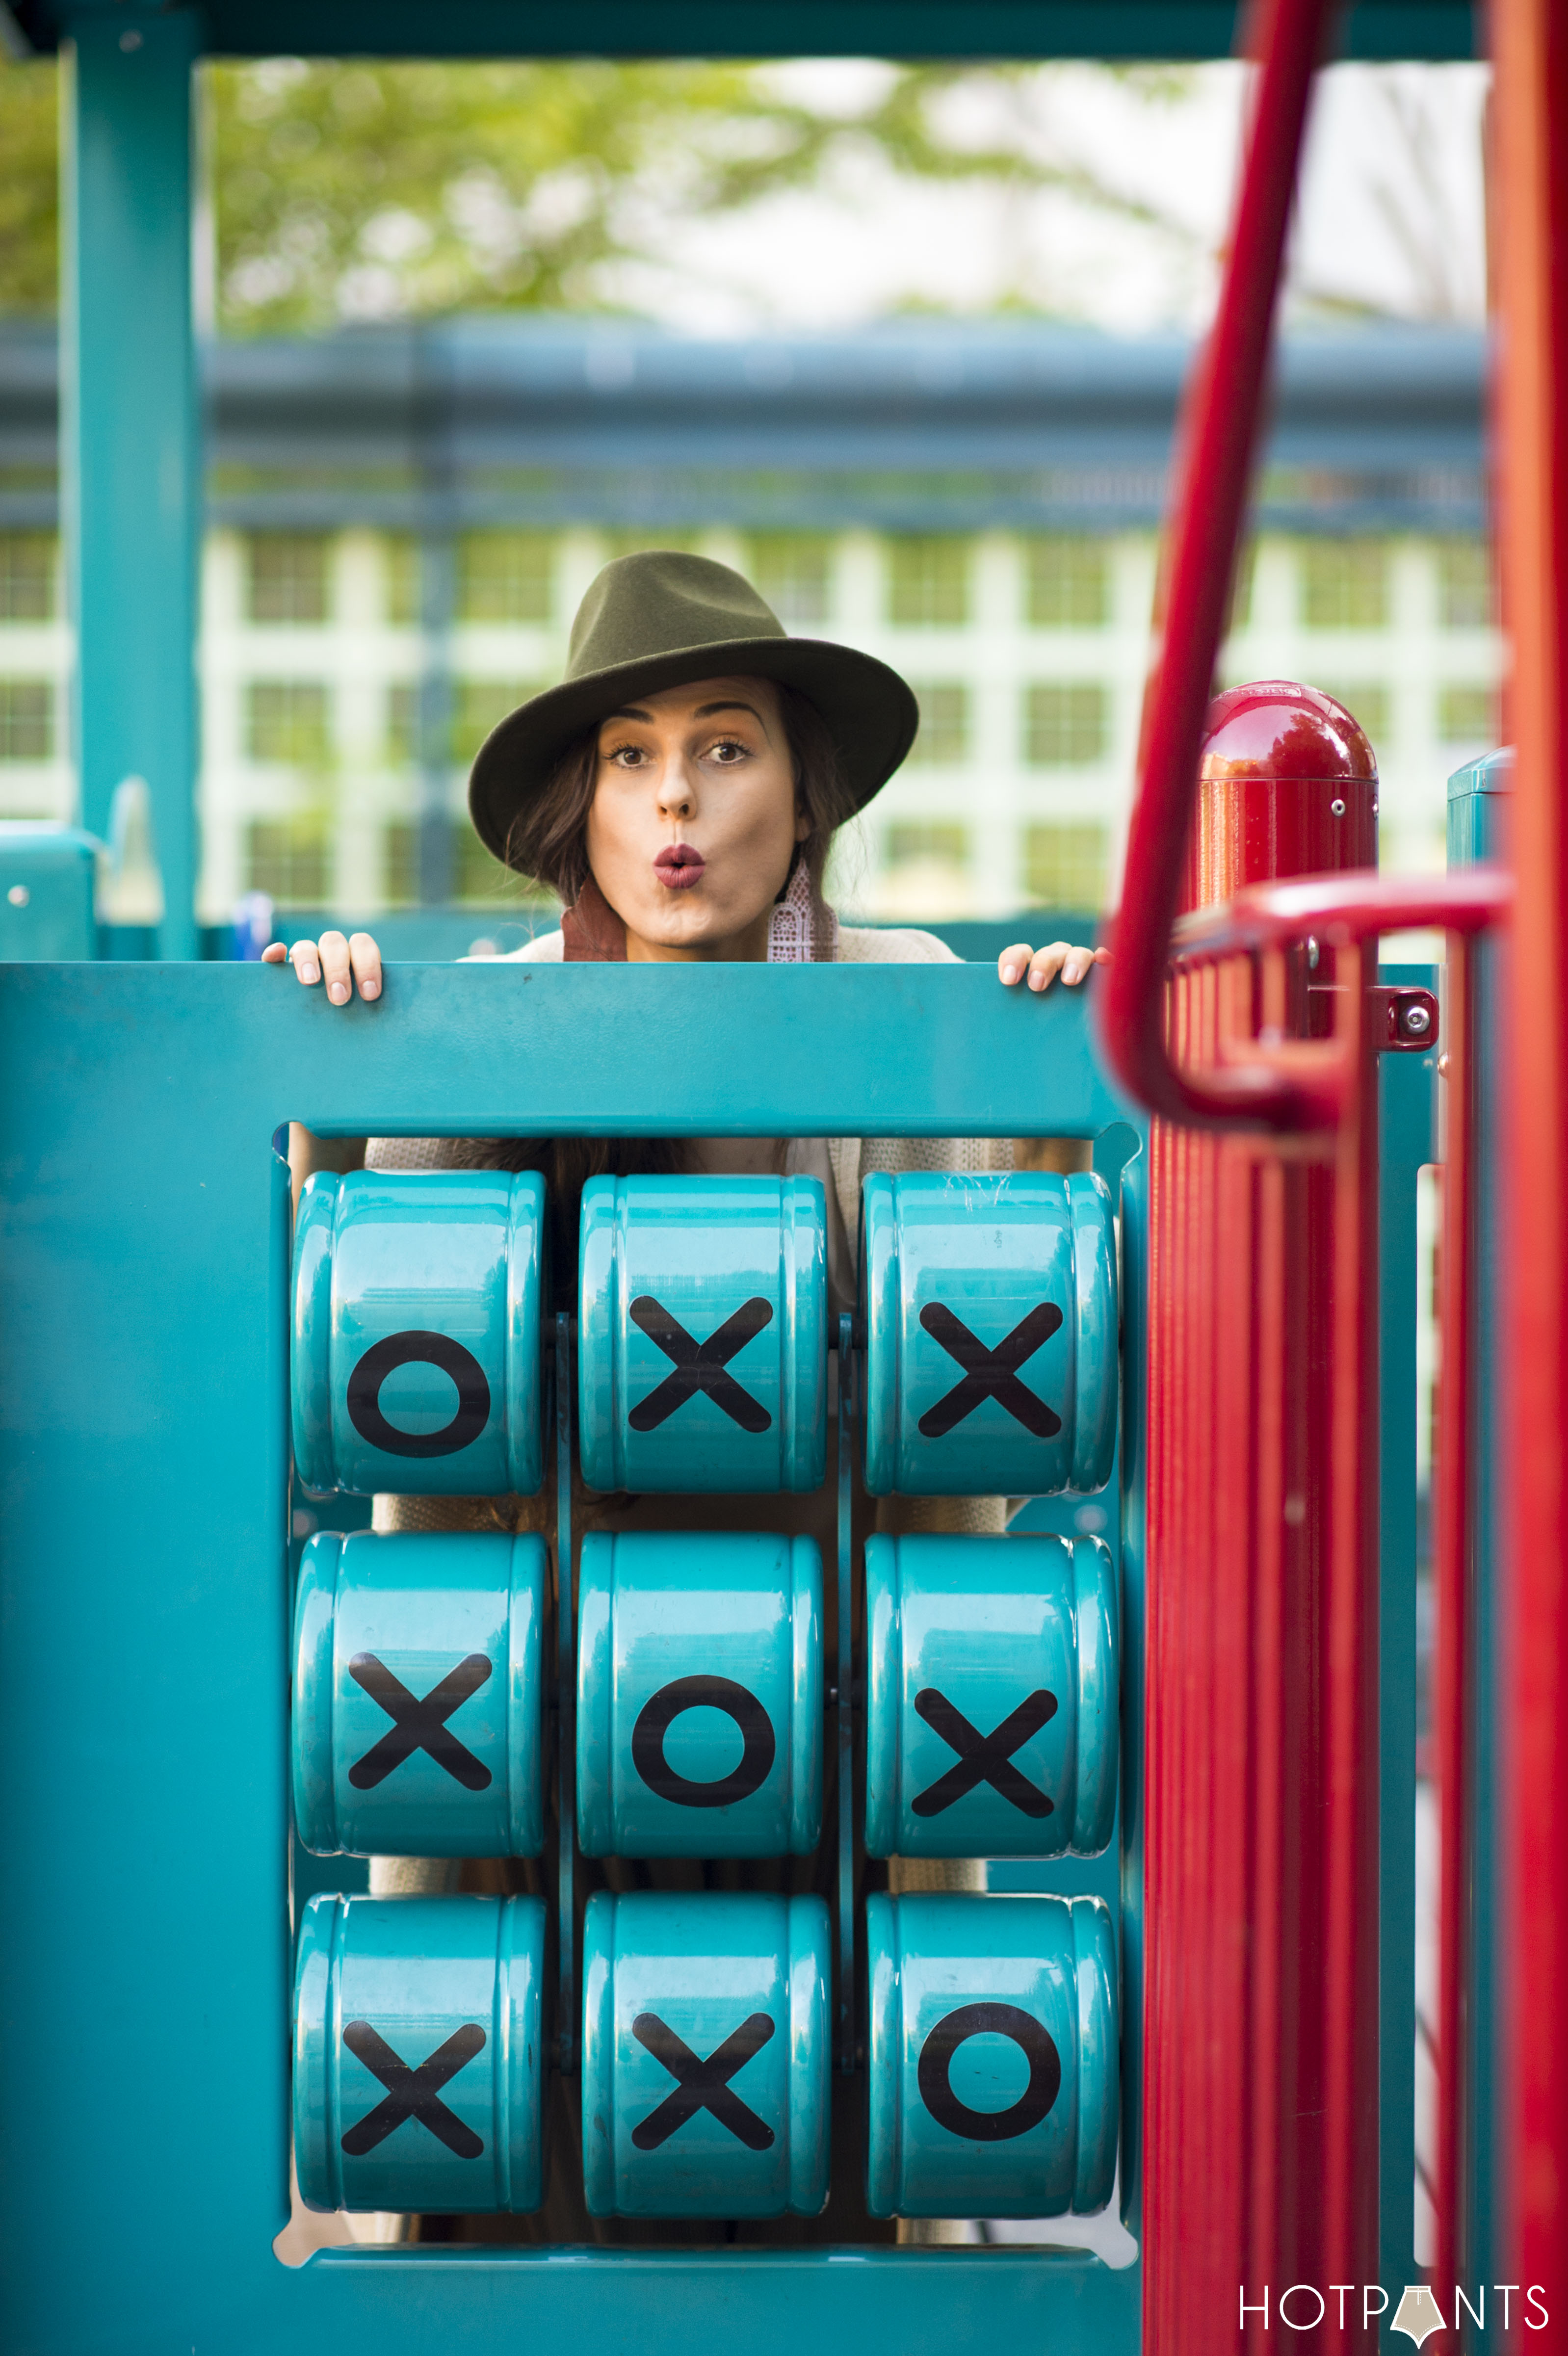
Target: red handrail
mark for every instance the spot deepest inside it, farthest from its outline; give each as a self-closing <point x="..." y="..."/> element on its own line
<point x="1220" y="424"/>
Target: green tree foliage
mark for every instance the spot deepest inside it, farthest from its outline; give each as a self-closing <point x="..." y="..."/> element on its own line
<point x="368" y="190"/>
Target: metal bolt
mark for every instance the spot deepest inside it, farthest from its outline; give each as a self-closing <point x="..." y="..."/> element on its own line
<point x="18" y="895"/>
<point x="1374" y="806"/>
<point x="1337" y="807"/>
<point x="1417" y="1021"/>
<point x="129" y="41"/>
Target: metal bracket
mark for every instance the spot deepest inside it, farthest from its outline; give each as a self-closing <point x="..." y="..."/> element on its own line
<point x="1403" y="1022"/>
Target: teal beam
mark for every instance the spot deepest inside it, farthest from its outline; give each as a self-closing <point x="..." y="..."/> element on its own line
<point x="1406" y="1083"/>
<point x="130" y="430"/>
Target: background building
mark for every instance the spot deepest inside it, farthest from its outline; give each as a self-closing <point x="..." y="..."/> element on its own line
<point x="401" y="522"/>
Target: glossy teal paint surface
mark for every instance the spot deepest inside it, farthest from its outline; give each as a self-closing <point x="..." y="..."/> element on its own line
<point x="48" y="886"/>
<point x="130" y="430"/>
<point x="417" y="1304"/>
<point x="992" y="2063"/>
<point x="383" y="1624"/>
<point x="698" y="1695"/>
<point x="704" y="1970"/>
<point x="1012" y="1280"/>
<point x="976" y="1635"/>
<point x="144" y="1359"/>
<point x="392" y="1981"/>
<point x="665" y="1264"/>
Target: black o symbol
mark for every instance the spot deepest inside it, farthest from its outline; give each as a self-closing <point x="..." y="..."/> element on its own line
<point x="656" y="1718"/>
<point x="977" y="2020"/>
<point x="415" y="1349"/>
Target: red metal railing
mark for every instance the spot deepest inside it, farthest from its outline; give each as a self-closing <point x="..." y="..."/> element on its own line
<point x="1260" y="1895"/>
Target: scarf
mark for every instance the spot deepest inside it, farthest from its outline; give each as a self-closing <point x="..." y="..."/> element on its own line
<point x="803" y="929"/>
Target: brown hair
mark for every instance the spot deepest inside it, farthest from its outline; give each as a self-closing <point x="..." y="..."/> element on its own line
<point x="548" y="838"/>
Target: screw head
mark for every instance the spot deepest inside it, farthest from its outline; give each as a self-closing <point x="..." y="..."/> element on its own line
<point x="1416" y="1020"/>
<point x="1337" y="807"/>
<point x="18" y="895"/>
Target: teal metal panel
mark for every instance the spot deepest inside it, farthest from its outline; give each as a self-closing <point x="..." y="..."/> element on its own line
<point x="130" y="439"/>
<point x="1406" y="1109"/>
<point x="143" y="1472"/>
<point x="927" y="28"/>
<point x="47" y="892"/>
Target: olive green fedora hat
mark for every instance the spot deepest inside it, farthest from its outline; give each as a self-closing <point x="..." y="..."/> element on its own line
<point x="660" y="619"/>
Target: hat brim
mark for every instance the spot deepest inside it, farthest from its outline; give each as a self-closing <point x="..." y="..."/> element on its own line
<point x="869" y="712"/>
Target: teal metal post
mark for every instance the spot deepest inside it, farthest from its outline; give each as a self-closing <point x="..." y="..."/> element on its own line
<point x="1405" y="1125"/>
<point x="130" y="430"/>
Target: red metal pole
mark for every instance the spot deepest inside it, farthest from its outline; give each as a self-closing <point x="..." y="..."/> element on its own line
<point x="1530" y="156"/>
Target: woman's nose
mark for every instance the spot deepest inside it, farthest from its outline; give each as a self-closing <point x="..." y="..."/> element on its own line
<point x="675" y="795"/>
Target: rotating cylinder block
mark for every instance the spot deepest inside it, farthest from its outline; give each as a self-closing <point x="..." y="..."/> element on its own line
<point x="417" y="1301"/>
<point x="990" y="1309"/>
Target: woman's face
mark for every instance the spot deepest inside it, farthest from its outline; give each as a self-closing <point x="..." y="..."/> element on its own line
<point x="693" y="821"/>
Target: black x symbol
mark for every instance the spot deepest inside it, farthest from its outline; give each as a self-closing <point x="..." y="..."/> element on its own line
<point x="704" y="2086"/>
<point x="990" y="1374"/>
<point x="985" y="1758"/>
<point x="700" y="1365"/>
<point x="413" y="2094"/>
<point x="420" y="1724"/>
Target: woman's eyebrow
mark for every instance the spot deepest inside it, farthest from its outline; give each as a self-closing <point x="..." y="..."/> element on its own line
<point x="706" y="711"/>
<point x="632" y="711"/>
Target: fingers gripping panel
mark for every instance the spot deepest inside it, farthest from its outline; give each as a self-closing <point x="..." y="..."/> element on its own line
<point x="993" y="1726"/>
<point x="993" y="2080"/>
<point x="698" y="1695"/>
<point x="418" y="1695"/>
<point x="418" y="2053"/>
<point x="706" y="2059"/>
<point x="416" y="1332"/>
<point x="703" y="1335"/>
<point x="990" y="1310"/>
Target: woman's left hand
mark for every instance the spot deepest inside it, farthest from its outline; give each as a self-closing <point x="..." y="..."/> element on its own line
<point x="1042" y="966"/>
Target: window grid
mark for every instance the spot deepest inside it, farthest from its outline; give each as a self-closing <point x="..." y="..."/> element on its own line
<point x="793" y="571"/>
<point x="403" y="732"/>
<point x="403" y="579"/>
<point x="289" y="720"/>
<point x="1067" y="724"/>
<point x="506" y="576"/>
<point x="1369" y="705"/>
<point x="286" y="577"/>
<point x="1345" y="584"/>
<point x="1465" y="584"/>
<point x="27" y="719"/>
<point x="478" y="704"/>
<point x="1066" y="863"/>
<point x="1466" y="716"/>
<point x="927" y="582"/>
<point x="26" y="576"/>
<point x="477" y="878"/>
<point x="942" y="739"/>
<point x="1067" y="583"/>
<point x="290" y="860"/>
<point x="918" y="843"/>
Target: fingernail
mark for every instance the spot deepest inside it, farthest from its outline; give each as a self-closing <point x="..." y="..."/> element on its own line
<point x="1009" y="973"/>
<point x="309" y="970"/>
<point x="369" y="990"/>
<point x="337" y="992"/>
<point x="1036" y="982"/>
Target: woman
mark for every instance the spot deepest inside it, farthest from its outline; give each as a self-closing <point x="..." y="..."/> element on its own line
<point x="680" y="791"/>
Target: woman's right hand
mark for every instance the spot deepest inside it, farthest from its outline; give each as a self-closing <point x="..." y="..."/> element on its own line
<point x="342" y="962"/>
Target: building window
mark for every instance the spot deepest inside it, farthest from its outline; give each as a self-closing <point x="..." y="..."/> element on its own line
<point x="27" y="719"/>
<point x="290" y="860"/>
<point x="403" y="579"/>
<point x="478" y="704"/>
<point x="1065" y="864"/>
<point x="285" y="576"/>
<point x="506" y="576"/>
<point x="792" y="570"/>
<point x="927" y="582"/>
<point x="927" y="843"/>
<point x="642" y="540"/>
<point x="26" y="576"/>
<point x="1345" y="584"/>
<point x="476" y="876"/>
<point x="287" y="720"/>
<point x="1241" y="613"/>
<point x="1067" y="583"/>
<point x="1466" y="716"/>
<point x="1465" y="584"/>
<point x="1368" y="705"/>
<point x="403" y="725"/>
<point x="1067" y="724"/>
<point x="943" y="735"/>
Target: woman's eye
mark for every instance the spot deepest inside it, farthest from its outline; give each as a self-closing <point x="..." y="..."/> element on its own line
<point x="729" y="752"/>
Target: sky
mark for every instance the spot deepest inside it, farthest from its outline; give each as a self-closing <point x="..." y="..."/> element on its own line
<point x="1392" y="216"/>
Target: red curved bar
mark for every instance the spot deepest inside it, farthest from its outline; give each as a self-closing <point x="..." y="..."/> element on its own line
<point x="1219" y="435"/>
<point x="1355" y="906"/>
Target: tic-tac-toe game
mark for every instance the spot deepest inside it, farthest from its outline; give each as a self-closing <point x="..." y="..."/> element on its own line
<point x="750" y="1626"/>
